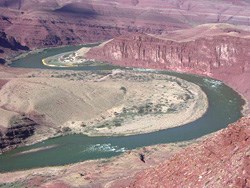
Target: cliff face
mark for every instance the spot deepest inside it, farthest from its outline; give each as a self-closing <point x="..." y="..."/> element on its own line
<point x="45" y="23"/>
<point x="204" y="55"/>
<point x="222" y="160"/>
<point x="8" y="44"/>
<point x="223" y="57"/>
<point x="219" y="161"/>
<point x="20" y="129"/>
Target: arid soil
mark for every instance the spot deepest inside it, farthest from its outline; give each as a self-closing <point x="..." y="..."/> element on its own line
<point x="68" y="59"/>
<point x="220" y="160"/>
<point x="220" y="52"/>
<point x="51" y="103"/>
<point x="36" y="23"/>
<point x="206" y="164"/>
<point x="96" y="173"/>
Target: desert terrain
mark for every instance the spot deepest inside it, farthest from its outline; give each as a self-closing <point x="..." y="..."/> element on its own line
<point x="65" y="22"/>
<point x="208" y="38"/>
<point x="108" y="103"/>
<point x="216" y="50"/>
<point x="206" y="164"/>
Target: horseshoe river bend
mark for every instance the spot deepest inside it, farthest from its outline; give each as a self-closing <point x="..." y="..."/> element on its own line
<point x="225" y="107"/>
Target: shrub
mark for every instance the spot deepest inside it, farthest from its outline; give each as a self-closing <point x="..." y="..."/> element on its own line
<point x="123" y="89"/>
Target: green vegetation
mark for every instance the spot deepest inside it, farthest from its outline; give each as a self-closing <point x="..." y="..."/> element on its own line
<point x="12" y="185"/>
<point x="123" y="89"/>
<point x="66" y="129"/>
<point x="116" y="122"/>
<point x="148" y="108"/>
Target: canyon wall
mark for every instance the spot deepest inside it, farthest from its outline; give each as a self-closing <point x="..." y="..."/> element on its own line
<point x="204" y="55"/>
<point x="20" y="128"/>
<point x="224" y="57"/>
<point x="219" y="161"/>
<point x="38" y="24"/>
<point x="9" y="44"/>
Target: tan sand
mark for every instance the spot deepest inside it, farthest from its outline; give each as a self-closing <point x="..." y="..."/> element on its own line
<point x="6" y="117"/>
<point x="67" y="59"/>
<point x="115" y="103"/>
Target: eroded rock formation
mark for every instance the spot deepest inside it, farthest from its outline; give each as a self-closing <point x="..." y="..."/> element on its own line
<point x="9" y="44"/>
<point x="203" y="55"/>
<point x="224" y="57"/>
<point x="20" y="129"/>
<point x="46" y="23"/>
<point x="219" y="161"/>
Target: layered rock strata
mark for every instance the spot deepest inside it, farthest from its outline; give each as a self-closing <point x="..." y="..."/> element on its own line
<point x="9" y="44"/>
<point x="20" y="129"/>
<point x="38" y="24"/>
<point x="219" y="161"/>
<point x="224" y="57"/>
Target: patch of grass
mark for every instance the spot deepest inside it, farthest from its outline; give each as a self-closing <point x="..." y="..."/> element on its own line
<point x="66" y="129"/>
<point x="116" y="122"/>
<point x="171" y="110"/>
<point x="83" y="125"/>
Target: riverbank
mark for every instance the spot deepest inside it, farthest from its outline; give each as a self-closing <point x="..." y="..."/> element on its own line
<point x="123" y="170"/>
<point x="111" y="127"/>
<point x="234" y="81"/>
<point x="93" y="172"/>
<point x="113" y="104"/>
<point x="164" y="53"/>
<point x="226" y="110"/>
<point x="128" y="170"/>
<point x="70" y="75"/>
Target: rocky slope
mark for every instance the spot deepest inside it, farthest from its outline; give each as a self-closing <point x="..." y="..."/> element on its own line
<point x="9" y="44"/>
<point x="20" y="129"/>
<point x="38" y="24"/>
<point x="219" y="161"/>
<point x="222" y="54"/>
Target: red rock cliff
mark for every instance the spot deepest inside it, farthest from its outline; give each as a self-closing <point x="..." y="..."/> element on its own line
<point x="205" y="55"/>
<point x="223" y="57"/>
<point x="37" y="24"/>
<point x="219" y="161"/>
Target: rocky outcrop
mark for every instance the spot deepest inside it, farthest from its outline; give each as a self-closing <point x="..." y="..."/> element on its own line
<point x="223" y="57"/>
<point x="10" y="42"/>
<point x="20" y="129"/>
<point x="204" y="55"/>
<point x="2" y="61"/>
<point x="45" y="23"/>
<point x="222" y="160"/>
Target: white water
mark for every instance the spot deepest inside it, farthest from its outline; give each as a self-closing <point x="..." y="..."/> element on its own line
<point x="104" y="148"/>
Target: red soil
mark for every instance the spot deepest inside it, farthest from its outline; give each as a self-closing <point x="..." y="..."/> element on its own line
<point x="37" y="24"/>
<point x="219" y="161"/>
<point x="224" y="56"/>
<point x="2" y="83"/>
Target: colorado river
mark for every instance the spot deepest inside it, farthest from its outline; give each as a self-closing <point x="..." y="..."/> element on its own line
<point x="224" y="107"/>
